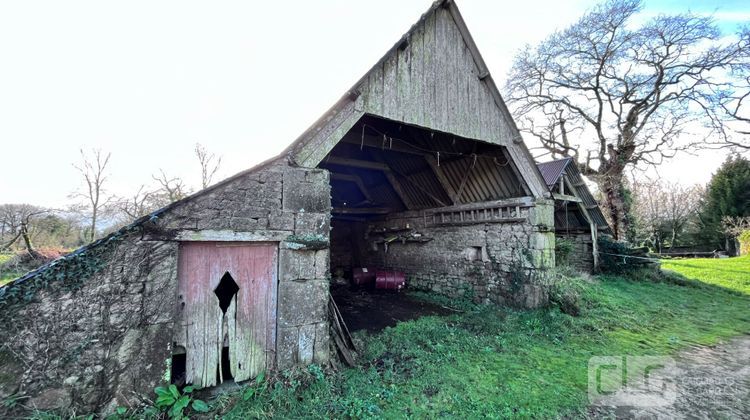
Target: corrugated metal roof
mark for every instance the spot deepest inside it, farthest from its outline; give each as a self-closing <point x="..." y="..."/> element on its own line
<point x="553" y="170"/>
<point x="576" y="180"/>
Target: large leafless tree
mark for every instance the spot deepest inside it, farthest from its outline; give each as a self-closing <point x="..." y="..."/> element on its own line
<point x="615" y="95"/>
<point x="93" y="169"/>
<point x="209" y="162"/>
<point x="736" y="101"/>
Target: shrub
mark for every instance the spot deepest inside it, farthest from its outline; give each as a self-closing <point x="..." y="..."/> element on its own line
<point x="566" y="290"/>
<point x="563" y="248"/>
<point x="174" y="402"/>
<point x="621" y="258"/>
<point x="24" y="261"/>
<point x="744" y="239"/>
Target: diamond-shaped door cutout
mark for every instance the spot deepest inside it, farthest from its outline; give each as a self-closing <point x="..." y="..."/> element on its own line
<point x="226" y="290"/>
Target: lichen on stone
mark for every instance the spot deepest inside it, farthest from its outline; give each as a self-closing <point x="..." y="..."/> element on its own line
<point x="307" y="242"/>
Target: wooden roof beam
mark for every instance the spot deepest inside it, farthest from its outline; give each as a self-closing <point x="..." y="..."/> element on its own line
<point x="396" y="185"/>
<point x="357" y="163"/>
<point x="440" y="175"/>
<point x="360" y="210"/>
<point x="354" y="179"/>
<point x="566" y="197"/>
<point x="376" y="142"/>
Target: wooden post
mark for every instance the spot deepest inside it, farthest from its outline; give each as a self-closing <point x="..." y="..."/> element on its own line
<point x="595" y="245"/>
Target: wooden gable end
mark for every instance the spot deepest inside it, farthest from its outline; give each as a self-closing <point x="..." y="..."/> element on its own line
<point x="434" y="78"/>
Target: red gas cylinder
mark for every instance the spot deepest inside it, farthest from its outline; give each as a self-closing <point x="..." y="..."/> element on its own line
<point x="363" y="276"/>
<point x="392" y="280"/>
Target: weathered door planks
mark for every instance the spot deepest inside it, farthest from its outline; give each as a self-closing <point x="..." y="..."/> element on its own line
<point x="249" y="324"/>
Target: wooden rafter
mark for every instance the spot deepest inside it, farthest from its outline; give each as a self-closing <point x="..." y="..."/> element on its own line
<point x="440" y="175"/>
<point x="361" y="210"/>
<point x="354" y="179"/>
<point x="357" y="163"/>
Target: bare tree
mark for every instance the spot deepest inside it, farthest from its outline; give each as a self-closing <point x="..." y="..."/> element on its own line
<point x="16" y="222"/>
<point x="93" y="168"/>
<point x="663" y="210"/>
<point x="735" y="102"/>
<point x="632" y="95"/>
<point x="137" y="205"/>
<point x="734" y="226"/>
<point x="170" y="188"/>
<point x="209" y="162"/>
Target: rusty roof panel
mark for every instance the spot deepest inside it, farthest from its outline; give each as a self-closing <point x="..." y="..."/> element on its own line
<point x="553" y="170"/>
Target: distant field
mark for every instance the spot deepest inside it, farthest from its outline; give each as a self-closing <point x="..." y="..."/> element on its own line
<point x="731" y="273"/>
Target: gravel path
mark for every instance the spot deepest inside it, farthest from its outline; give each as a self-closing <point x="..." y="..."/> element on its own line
<point x="710" y="382"/>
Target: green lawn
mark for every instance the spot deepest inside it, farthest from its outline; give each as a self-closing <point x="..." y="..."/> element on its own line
<point x="732" y="273"/>
<point x="498" y="363"/>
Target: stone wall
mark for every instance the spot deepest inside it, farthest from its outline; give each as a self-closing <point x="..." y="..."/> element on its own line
<point x="284" y="204"/>
<point x="580" y="256"/>
<point x="488" y="262"/>
<point x="95" y="342"/>
<point x="98" y="346"/>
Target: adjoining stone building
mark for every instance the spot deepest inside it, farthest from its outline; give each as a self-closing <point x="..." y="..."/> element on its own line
<point x="578" y="219"/>
<point x="418" y="167"/>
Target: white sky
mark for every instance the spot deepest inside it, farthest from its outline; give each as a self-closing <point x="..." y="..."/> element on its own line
<point x="146" y="80"/>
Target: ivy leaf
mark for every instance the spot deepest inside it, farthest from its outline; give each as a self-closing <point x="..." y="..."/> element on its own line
<point x="200" y="406"/>
<point x="188" y="389"/>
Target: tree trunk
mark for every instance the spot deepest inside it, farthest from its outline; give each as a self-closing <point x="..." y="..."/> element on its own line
<point x="27" y="240"/>
<point x="615" y="205"/>
<point x="93" y="226"/>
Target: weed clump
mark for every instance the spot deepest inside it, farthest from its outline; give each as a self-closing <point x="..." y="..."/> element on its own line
<point x="566" y="291"/>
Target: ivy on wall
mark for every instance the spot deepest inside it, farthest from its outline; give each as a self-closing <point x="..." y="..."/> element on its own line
<point x="70" y="271"/>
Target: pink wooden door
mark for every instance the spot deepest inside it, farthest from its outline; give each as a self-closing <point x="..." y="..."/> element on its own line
<point x="228" y="305"/>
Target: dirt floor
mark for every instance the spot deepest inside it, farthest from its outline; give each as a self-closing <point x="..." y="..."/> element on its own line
<point x="710" y="382"/>
<point x="372" y="309"/>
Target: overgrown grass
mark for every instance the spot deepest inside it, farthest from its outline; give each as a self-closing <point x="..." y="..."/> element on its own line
<point x="732" y="273"/>
<point x="7" y="275"/>
<point x="498" y="363"/>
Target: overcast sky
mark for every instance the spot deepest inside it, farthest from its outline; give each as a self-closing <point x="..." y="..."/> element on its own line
<point x="146" y="80"/>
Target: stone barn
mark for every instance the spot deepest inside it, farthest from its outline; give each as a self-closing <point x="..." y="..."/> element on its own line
<point x="419" y="167"/>
<point x="578" y="219"/>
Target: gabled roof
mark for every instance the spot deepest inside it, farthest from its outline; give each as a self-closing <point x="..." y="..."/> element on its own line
<point x="310" y="148"/>
<point x="553" y="171"/>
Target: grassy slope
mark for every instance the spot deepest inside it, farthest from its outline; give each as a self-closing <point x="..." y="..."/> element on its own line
<point x="498" y="362"/>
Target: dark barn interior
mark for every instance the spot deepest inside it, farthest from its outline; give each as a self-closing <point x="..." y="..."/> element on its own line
<point x="383" y="171"/>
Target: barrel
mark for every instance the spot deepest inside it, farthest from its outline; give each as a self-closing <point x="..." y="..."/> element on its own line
<point x="391" y="280"/>
<point x="363" y="276"/>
